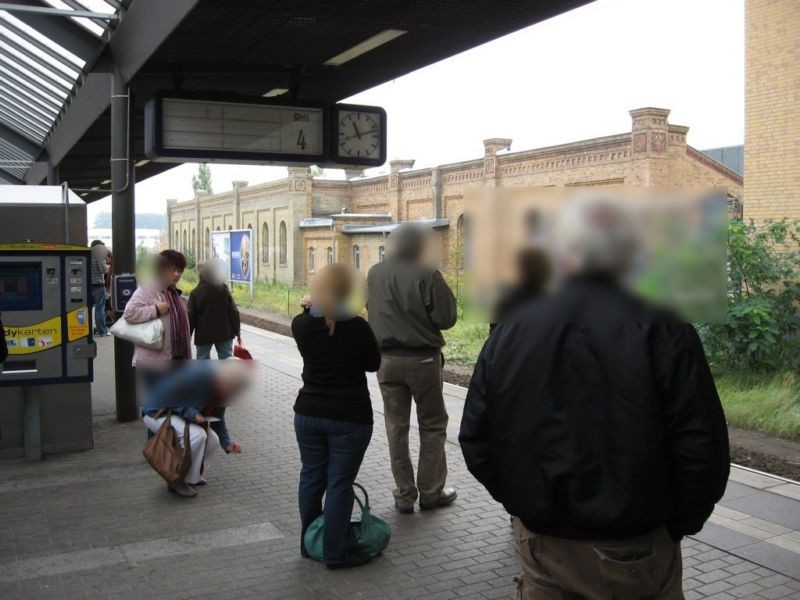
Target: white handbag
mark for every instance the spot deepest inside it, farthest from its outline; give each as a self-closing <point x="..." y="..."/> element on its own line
<point x="148" y="335"/>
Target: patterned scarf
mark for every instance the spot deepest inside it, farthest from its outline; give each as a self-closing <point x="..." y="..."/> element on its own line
<point x="179" y="323"/>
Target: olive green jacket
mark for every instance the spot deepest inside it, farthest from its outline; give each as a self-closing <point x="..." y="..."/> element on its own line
<point x="409" y="305"/>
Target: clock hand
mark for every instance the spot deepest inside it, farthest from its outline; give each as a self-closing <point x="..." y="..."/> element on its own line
<point x="361" y="134"/>
<point x="358" y="134"/>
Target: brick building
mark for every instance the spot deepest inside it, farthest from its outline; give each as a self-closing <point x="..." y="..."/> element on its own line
<point x="772" y="109"/>
<point x="301" y="223"/>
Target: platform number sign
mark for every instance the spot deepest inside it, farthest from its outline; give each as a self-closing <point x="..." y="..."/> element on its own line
<point x="205" y="127"/>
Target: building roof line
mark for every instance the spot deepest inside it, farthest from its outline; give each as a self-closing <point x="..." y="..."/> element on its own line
<point x="710" y="162"/>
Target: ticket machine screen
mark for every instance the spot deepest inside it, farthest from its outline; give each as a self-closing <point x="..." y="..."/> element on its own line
<point x="20" y="286"/>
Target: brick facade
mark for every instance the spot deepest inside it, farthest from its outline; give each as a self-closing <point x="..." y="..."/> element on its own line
<point x="319" y="214"/>
<point x="772" y="109"/>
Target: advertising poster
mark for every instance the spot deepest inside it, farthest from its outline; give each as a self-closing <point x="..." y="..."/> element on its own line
<point x="221" y="247"/>
<point x="241" y="259"/>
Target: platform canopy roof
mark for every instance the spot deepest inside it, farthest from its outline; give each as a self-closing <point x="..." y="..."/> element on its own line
<point x="56" y="57"/>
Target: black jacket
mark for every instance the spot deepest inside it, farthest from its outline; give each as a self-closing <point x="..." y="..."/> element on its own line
<point x="592" y="416"/>
<point x="213" y="315"/>
<point x="334" y="383"/>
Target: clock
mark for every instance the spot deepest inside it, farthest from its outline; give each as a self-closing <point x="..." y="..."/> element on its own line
<point x="359" y="135"/>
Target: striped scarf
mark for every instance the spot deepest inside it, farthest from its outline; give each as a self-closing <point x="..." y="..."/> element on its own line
<point x="179" y="323"/>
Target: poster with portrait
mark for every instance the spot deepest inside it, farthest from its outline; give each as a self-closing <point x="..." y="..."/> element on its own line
<point x="221" y="247"/>
<point x="241" y="258"/>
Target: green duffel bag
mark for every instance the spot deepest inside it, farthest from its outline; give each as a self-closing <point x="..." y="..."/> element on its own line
<point x="368" y="535"/>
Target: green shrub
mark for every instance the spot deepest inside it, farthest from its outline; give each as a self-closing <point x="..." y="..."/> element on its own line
<point x="762" y="331"/>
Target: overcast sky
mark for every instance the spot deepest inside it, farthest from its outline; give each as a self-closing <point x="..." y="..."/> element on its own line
<point x="567" y="79"/>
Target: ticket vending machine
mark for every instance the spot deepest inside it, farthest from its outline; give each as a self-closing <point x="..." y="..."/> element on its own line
<point x="45" y="383"/>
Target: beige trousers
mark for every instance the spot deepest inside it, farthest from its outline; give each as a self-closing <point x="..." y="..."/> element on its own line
<point x="642" y="568"/>
<point x="402" y="378"/>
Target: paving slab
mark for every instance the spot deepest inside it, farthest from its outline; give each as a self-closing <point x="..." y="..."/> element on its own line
<point x="100" y="524"/>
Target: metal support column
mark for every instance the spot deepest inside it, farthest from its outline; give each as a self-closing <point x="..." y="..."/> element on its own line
<point x="123" y="232"/>
<point x="33" y="423"/>
<point x="52" y="173"/>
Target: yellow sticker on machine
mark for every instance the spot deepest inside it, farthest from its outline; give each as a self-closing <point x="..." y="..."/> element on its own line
<point x="46" y="246"/>
<point x="77" y="323"/>
<point x="37" y="337"/>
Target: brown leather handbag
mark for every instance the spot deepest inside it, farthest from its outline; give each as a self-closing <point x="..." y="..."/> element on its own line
<point x="165" y="454"/>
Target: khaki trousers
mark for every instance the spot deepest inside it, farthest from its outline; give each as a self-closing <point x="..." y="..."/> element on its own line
<point x="400" y="379"/>
<point x="643" y="568"/>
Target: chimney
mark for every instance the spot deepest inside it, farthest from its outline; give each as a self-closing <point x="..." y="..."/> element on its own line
<point x="399" y="164"/>
<point x="239" y="184"/>
<point x="493" y="145"/>
<point x="649" y="128"/>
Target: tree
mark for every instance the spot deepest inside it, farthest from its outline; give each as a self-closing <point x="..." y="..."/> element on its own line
<point x="202" y="181"/>
<point x="191" y="260"/>
<point x="762" y="331"/>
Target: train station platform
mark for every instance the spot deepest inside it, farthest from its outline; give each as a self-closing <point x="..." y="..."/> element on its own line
<point x="100" y="524"/>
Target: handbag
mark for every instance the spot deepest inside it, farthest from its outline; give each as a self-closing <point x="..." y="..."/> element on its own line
<point x="148" y="335"/>
<point x="368" y="535"/>
<point x="239" y="351"/>
<point x="166" y="456"/>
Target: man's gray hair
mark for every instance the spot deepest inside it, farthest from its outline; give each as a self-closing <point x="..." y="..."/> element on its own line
<point x="596" y="234"/>
<point x="408" y="240"/>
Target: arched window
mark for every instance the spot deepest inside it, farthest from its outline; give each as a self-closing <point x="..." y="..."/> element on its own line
<point x="311" y="260"/>
<point x="230" y="227"/>
<point x="265" y="243"/>
<point x="381" y="253"/>
<point x="356" y="256"/>
<point x="194" y="240"/>
<point x="282" y="243"/>
<point x="330" y="255"/>
<point x="217" y="227"/>
<point x="176" y="241"/>
<point x="250" y="226"/>
<point x="207" y="244"/>
<point x="185" y="245"/>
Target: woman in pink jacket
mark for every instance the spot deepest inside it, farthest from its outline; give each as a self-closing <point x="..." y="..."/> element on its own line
<point x="162" y="300"/>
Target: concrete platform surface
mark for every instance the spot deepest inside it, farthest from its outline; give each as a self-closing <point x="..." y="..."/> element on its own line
<point x="100" y="524"/>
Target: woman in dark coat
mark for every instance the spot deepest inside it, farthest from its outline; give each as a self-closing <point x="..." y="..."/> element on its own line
<point x="333" y="412"/>
<point x="213" y="315"/>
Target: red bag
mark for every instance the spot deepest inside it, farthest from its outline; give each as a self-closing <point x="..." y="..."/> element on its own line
<point x="240" y="352"/>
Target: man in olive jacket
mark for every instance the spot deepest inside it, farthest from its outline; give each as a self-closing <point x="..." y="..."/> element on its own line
<point x="593" y="418"/>
<point x="409" y="304"/>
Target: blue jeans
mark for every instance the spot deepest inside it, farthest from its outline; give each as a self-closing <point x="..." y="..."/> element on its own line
<point x="224" y="350"/>
<point x="99" y="299"/>
<point x="331" y="453"/>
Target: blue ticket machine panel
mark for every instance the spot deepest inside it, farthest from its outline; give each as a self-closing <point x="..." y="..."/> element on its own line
<point x="45" y="302"/>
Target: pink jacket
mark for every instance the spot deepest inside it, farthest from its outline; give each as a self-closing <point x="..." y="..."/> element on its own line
<point x="141" y="308"/>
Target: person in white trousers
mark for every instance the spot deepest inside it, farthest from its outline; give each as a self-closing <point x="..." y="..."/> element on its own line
<point x="202" y="442"/>
<point x="197" y="392"/>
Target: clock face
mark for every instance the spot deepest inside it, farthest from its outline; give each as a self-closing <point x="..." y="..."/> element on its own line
<point x="360" y="134"/>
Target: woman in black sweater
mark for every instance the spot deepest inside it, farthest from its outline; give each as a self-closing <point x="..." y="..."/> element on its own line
<point x="333" y="412"/>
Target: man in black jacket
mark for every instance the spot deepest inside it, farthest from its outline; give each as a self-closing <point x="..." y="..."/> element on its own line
<point x="592" y="416"/>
